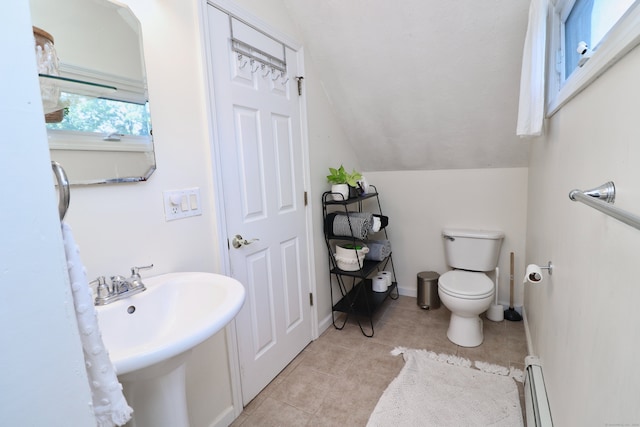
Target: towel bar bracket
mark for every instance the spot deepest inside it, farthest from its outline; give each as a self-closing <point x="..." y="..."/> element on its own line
<point x="606" y="192"/>
<point x="64" y="194"/>
<point x="602" y="198"/>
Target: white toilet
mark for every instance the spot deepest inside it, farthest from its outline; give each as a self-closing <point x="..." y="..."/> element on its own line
<point x="467" y="291"/>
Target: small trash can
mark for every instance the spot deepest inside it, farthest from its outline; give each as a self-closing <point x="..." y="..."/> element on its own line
<point x="428" y="290"/>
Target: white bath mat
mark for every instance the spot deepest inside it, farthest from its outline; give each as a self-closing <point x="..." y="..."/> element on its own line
<point x="443" y="390"/>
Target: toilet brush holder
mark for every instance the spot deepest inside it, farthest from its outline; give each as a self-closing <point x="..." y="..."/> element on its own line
<point x="495" y="313"/>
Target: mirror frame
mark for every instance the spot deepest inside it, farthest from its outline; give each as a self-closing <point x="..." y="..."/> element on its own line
<point x="87" y="159"/>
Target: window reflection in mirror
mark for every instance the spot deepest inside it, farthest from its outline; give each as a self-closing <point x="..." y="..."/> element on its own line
<point x="100" y="130"/>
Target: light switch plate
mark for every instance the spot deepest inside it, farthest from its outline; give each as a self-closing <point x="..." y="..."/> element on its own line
<point x="181" y="203"/>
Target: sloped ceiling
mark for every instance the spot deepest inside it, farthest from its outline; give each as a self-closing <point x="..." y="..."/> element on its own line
<point x="421" y="84"/>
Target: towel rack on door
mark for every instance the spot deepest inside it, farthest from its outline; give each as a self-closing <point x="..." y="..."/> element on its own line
<point x="64" y="194"/>
<point x="602" y="199"/>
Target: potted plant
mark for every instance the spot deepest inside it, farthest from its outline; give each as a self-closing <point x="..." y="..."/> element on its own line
<point x="341" y="181"/>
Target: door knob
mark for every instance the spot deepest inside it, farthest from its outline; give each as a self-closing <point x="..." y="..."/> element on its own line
<point x="238" y="241"/>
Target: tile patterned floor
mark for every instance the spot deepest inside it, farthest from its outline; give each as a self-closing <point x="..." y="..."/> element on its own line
<point x="338" y="379"/>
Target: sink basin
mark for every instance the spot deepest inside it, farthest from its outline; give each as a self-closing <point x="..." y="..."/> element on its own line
<point x="149" y="335"/>
<point x="177" y="312"/>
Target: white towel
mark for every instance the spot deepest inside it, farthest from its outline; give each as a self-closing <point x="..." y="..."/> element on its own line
<point x="109" y="403"/>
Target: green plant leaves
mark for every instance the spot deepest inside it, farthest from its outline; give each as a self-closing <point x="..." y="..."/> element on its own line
<point x="340" y="176"/>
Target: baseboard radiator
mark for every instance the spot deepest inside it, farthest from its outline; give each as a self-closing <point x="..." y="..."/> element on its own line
<point x="537" y="409"/>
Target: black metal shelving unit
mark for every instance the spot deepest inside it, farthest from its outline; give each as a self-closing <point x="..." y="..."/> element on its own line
<point x="356" y="295"/>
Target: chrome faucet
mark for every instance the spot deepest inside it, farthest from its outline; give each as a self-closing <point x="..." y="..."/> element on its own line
<point x="120" y="287"/>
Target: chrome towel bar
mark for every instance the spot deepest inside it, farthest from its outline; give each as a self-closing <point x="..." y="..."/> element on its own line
<point x="602" y="199"/>
<point x="64" y="194"/>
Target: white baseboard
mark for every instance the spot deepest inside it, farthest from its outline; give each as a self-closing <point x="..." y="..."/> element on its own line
<point x="225" y="418"/>
<point x="527" y="333"/>
<point x="408" y="292"/>
<point x="324" y="324"/>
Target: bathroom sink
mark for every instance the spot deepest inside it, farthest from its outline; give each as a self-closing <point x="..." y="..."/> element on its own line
<point x="177" y="312"/>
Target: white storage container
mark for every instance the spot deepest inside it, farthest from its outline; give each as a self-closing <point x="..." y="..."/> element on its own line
<point x="350" y="258"/>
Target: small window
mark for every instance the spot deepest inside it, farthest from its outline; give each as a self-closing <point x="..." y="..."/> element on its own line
<point x="103" y="116"/>
<point x="605" y="30"/>
<point x="588" y="21"/>
<point x="97" y="111"/>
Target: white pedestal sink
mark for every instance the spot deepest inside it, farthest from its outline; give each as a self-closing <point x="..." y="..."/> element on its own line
<point x="150" y="335"/>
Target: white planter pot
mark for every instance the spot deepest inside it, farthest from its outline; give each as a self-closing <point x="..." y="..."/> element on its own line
<point x="342" y="190"/>
<point x="349" y="259"/>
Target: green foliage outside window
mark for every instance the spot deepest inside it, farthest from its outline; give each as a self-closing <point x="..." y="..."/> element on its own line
<point x="104" y="116"/>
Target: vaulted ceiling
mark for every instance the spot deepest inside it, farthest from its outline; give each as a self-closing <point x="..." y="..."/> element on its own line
<point x="421" y="84"/>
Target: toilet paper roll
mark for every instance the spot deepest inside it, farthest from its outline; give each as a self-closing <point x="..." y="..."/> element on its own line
<point x="387" y="275"/>
<point x="533" y="274"/>
<point x="379" y="284"/>
<point x="377" y="224"/>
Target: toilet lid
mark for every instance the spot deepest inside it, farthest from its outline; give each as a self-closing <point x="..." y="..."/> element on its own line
<point x="466" y="284"/>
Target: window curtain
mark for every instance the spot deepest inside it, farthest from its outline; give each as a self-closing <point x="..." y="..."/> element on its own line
<point x="532" y="79"/>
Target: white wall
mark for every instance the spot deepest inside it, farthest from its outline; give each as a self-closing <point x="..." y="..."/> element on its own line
<point x="422" y="84"/>
<point x="42" y="375"/>
<point x="420" y="204"/>
<point x="584" y="319"/>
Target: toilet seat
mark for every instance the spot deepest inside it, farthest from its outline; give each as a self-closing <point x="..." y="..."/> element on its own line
<point x="466" y="284"/>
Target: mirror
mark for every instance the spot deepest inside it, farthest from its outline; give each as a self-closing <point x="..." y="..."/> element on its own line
<point x="100" y="129"/>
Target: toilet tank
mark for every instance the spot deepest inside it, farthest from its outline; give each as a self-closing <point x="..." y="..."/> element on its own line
<point x="475" y="250"/>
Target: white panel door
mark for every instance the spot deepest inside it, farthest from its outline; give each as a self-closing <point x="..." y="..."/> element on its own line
<point x="258" y="119"/>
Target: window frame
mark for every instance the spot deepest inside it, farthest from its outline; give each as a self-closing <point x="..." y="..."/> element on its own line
<point x="620" y="40"/>
<point x="129" y="90"/>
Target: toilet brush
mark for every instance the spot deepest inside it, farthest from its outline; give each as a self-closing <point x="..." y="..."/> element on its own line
<point x="511" y="314"/>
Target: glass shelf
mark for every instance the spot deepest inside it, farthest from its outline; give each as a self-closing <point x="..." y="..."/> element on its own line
<point x="52" y="86"/>
<point x="79" y="87"/>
